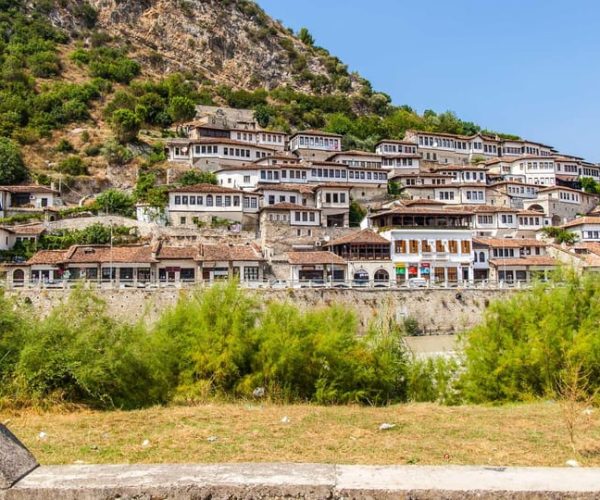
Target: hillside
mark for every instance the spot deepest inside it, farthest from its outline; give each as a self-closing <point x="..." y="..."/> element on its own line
<point x="89" y="96"/>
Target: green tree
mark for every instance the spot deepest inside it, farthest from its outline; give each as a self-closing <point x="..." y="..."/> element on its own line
<point x="262" y="115"/>
<point x="192" y="177"/>
<point x="357" y="213"/>
<point x="305" y="37"/>
<point x="527" y="341"/>
<point x="113" y="201"/>
<point x="125" y="125"/>
<point x="589" y="185"/>
<point x="73" y="165"/>
<point x="12" y="168"/>
<point x="181" y="109"/>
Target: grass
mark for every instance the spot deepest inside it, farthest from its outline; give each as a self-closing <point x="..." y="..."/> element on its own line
<point x="525" y="434"/>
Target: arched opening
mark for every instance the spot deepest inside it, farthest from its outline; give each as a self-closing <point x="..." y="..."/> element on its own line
<point x="361" y="277"/>
<point x="382" y="275"/>
<point x="481" y="257"/>
<point x="18" y="277"/>
<point x="537" y="208"/>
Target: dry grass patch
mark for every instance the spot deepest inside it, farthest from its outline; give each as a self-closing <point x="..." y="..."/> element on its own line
<point x="527" y="434"/>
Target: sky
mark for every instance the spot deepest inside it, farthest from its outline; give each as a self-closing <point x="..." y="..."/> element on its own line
<point x="527" y="67"/>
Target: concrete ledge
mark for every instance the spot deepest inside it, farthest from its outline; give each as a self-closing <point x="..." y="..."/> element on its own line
<point x="92" y="482"/>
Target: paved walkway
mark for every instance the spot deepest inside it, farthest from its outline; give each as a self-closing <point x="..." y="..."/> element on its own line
<point x="303" y="481"/>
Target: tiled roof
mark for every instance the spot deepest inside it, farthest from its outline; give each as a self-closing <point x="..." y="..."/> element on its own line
<point x="582" y="220"/>
<point x="289" y="206"/>
<point x="338" y="185"/>
<point x="489" y="209"/>
<point x="394" y="141"/>
<point x="51" y="257"/>
<point x="536" y="260"/>
<point x="531" y="212"/>
<point x="25" y="229"/>
<point x="82" y="254"/>
<point x="446" y="210"/>
<point x="509" y="242"/>
<point x="307" y="258"/>
<point x="177" y="253"/>
<point x="422" y="201"/>
<point x="206" y="188"/>
<point x="365" y="236"/>
<point x="28" y="189"/>
<point x="225" y="253"/>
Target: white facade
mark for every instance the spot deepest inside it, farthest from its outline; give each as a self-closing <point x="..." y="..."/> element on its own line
<point x="436" y="254"/>
<point x="315" y="140"/>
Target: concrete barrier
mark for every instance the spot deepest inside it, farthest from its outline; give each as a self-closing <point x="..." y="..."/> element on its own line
<point x="92" y="482"/>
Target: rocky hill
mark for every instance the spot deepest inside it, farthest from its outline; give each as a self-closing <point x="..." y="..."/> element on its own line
<point x="231" y="42"/>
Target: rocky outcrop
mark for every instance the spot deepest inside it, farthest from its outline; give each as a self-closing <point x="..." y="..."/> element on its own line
<point x="230" y="42"/>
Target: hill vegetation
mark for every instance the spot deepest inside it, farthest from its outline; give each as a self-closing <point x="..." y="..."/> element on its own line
<point x="77" y="98"/>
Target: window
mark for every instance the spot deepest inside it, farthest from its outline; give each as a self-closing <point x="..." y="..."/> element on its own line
<point x="246" y="179"/>
<point x="465" y="246"/>
<point x="209" y="200"/>
<point x="182" y="221"/>
<point x="227" y="201"/>
<point x="184" y="200"/>
<point x="251" y="273"/>
<point x="452" y="246"/>
<point x="177" y="200"/>
<point x="400" y="246"/>
<point x="413" y="246"/>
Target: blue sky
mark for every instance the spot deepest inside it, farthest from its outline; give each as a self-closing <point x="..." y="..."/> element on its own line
<point x="528" y="67"/>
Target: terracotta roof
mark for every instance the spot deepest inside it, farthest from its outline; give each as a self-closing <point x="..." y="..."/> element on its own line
<point x="582" y="220"/>
<point x="226" y="253"/>
<point x="509" y="242"/>
<point x="422" y="201"/>
<point x="28" y="189"/>
<point x="51" y="257"/>
<point x="315" y="132"/>
<point x="514" y="183"/>
<point x="206" y="188"/>
<point x="318" y="257"/>
<point x="365" y="236"/>
<point x="176" y="253"/>
<point x="490" y="209"/>
<point x="334" y="185"/>
<point x="298" y="188"/>
<point x="445" y="210"/>
<point x="82" y="254"/>
<point x="536" y="260"/>
<point x="25" y="229"/>
<point x="289" y="206"/>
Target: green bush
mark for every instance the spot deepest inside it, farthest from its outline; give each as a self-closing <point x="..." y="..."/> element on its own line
<point x="116" y="154"/>
<point x="64" y="146"/>
<point x="12" y="168"/>
<point x="113" y="201"/>
<point x="125" y="125"/>
<point x="528" y="341"/>
<point x="73" y="165"/>
<point x="81" y="354"/>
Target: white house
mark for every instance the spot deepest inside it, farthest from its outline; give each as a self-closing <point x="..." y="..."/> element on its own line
<point x="586" y="228"/>
<point x="191" y="205"/>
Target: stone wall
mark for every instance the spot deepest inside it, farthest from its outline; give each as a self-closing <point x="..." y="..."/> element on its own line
<point x="436" y="311"/>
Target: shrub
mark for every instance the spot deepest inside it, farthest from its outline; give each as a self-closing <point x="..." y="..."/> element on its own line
<point x="73" y="165"/>
<point x="116" y="154"/>
<point x="125" y="125"/>
<point x="526" y="342"/>
<point x="64" y="146"/>
<point x="192" y="177"/>
<point x="12" y="168"/>
<point x="113" y="201"/>
<point x="82" y="354"/>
